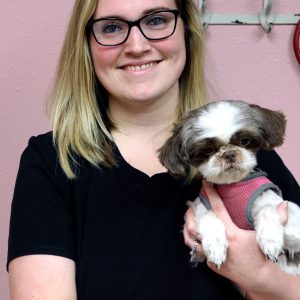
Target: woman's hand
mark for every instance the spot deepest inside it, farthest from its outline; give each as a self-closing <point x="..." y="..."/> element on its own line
<point x="244" y="257"/>
<point x="245" y="264"/>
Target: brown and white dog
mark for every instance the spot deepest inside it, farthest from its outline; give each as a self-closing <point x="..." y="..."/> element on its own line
<point x="219" y="142"/>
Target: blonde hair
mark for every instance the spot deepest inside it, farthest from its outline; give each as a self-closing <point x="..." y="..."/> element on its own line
<point x="81" y="128"/>
<point x="193" y="90"/>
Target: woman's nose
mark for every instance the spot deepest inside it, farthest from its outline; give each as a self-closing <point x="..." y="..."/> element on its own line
<point x="136" y="41"/>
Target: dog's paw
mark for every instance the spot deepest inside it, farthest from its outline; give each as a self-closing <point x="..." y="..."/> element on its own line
<point x="215" y="249"/>
<point x="273" y="254"/>
<point x="271" y="248"/>
<point x="213" y="238"/>
<point x="271" y="244"/>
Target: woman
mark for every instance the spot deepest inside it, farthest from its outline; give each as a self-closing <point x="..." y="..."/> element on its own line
<point x="95" y="215"/>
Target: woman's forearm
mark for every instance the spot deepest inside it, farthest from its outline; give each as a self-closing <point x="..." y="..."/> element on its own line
<point x="276" y="285"/>
<point x="42" y="277"/>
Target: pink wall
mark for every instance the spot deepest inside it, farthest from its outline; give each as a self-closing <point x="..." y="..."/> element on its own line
<point x="244" y="63"/>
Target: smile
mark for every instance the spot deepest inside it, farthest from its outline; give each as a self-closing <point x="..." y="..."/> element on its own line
<point x="140" y="67"/>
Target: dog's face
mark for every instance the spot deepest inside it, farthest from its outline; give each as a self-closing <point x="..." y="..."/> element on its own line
<point x="219" y="141"/>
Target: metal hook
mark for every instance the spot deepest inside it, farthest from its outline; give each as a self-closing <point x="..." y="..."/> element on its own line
<point x="266" y="16"/>
<point x="204" y="14"/>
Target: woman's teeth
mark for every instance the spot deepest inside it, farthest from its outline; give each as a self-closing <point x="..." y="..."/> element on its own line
<point x="141" y="67"/>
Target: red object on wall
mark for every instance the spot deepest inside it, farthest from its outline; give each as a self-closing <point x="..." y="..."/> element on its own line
<point x="296" y="42"/>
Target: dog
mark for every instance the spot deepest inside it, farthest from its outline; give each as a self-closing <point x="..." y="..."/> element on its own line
<point x="218" y="142"/>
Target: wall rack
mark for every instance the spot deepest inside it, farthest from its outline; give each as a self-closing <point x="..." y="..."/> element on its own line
<point x="266" y="17"/>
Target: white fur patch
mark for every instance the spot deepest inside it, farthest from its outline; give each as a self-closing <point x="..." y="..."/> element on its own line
<point x="211" y="232"/>
<point x="213" y="123"/>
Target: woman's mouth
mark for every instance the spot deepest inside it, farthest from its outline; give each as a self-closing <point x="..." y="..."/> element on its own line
<point x="140" y="67"/>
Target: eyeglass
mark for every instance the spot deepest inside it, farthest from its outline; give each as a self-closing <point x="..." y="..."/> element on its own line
<point x="155" y="26"/>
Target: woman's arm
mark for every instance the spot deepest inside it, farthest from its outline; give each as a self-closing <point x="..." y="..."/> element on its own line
<point x="245" y="264"/>
<point x="42" y="277"/>
<point x="276" y="285"/>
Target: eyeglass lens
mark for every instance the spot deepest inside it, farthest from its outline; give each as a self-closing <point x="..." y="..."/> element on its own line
<point x="112" y="31"/>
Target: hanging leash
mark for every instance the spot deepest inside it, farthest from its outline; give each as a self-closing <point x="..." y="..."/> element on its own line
<point x="296" y="42"/>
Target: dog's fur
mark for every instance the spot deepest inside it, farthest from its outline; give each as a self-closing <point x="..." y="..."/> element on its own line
<point x="218" y="142"/>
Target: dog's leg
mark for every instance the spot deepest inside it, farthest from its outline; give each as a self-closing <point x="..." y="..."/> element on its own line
<point x="290" y="262"/>
<point x="268" y="227"/>
<point x="275" y="238"/>
<point x="211" y="233"/>
<point x="292" y="229"/>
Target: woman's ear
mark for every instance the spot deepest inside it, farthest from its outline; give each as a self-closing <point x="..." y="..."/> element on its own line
<point x="173" y="156"/>
<point x="273" y="126"/>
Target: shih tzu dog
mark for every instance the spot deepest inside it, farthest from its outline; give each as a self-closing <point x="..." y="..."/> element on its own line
<point x="218" y="142"/>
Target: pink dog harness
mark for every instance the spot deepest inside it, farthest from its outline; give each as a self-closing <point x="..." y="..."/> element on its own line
<point x="239" y="197"/>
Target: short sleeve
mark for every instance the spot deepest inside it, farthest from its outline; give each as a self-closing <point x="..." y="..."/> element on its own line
<point x="279" y="174"/>
<point x="42" y="214"/>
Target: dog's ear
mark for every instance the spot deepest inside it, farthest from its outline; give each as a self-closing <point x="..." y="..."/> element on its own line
<point x="273" y="126"/>
<point x="173" y="156"/>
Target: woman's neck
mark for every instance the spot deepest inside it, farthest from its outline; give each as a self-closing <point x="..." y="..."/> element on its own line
<point x="146" y="116"/>
<point x="141" y="129"/>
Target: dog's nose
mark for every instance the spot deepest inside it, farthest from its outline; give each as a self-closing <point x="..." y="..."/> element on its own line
<point x="230" y="155"/>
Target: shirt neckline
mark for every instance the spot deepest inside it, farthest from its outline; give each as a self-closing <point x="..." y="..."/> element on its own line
<point x="121" y="160"/>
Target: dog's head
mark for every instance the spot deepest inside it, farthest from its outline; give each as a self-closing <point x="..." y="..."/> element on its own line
<point x="219" y="141"/>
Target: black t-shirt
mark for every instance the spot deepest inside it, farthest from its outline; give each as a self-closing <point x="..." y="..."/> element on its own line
<point x="122" y="228"/>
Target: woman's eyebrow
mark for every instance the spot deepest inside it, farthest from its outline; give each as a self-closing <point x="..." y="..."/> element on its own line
<point x="151" y="10"/>
<point x="145" y="12"/>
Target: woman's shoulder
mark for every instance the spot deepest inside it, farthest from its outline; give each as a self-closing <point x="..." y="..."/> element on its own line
<point x="42" y="141"/>
<point x="40" y="156"/>
<point x="41" y="153"/>
<point x="40" y="149"/>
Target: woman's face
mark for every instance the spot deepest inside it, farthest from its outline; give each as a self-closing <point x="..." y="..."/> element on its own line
<point x="139" y="69"/>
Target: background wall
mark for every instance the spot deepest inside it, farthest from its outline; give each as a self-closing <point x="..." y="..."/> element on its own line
<point x="244" y="63"/>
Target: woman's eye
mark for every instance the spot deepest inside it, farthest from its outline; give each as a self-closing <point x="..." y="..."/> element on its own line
<point x="111" y="28"/>
<point x="245" y="141"/>
<point x="157" y="20"/>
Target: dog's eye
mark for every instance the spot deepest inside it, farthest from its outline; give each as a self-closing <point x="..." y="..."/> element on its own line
<point x="208" y="151"/>
<point x="244" y="142"/>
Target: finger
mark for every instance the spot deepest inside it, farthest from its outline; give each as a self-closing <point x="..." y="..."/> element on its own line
<point x="193" y="243"/>
<point x="282" y="208"/>
<point x="189" y="239"/>
<point x="218" y="205"/>
<point x="190" y="222"/>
